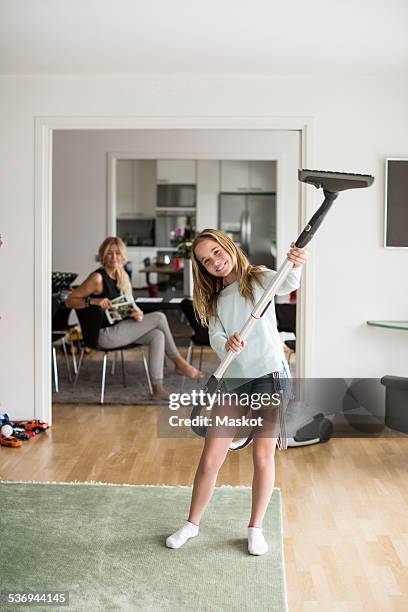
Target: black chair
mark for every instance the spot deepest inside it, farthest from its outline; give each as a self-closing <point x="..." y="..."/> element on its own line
<point x="61" y="329"/>
<point x="128" y="267"/>
<point x="200" y="336"/>
<point x="90" y="320"/>
<point x="286" y="320"/>
<point x="61" y="281"/>
<point x="59" y="337"/>
<point x="61" y="286"/>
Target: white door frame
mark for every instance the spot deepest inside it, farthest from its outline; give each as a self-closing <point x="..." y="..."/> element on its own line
<point x="44" y="127"/>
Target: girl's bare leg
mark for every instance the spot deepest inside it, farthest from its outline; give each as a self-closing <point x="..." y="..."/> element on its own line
<point x="212" y="458"/>
<point x="263" y="453"/>
<point x="214" y="452"/>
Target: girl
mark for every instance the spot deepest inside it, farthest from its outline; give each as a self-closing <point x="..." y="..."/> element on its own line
<point x="226" y="287"/>
<point x="107" y="283"/>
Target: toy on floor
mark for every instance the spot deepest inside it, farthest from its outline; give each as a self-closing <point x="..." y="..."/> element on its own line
<point x="11" y="441"/>
<point x="35" y="425"/>
<point x="5" y="420"/>
<point x="6" y="430"/>
<point x="6" y="435"/>
<point x="21" y="434"/>
<point x="13" y="433"/>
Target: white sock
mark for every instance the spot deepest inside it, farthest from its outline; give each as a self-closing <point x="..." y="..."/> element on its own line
<point x="180" y="537"/>
<point x="257" y="545"/>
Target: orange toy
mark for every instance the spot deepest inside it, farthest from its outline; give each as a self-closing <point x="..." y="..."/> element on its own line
<point x="11" y="441"/>
<point x="35" y="425"/>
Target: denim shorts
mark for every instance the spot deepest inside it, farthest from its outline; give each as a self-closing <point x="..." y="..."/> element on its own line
<point x="265" y="397"/>
<point x="274" y="382"/>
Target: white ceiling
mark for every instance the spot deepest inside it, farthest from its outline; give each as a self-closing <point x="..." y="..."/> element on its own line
<point x="204" y="36"/>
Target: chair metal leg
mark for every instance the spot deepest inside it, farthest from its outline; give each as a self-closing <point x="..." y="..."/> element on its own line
<point x="74" y="361"/>
<point x="123" y="369"/>
<point x="105" y="359"/>
<point x="73" y="352"/>
<point x="79" y="344"/>
<point x="190" y="352"/>
<point x="64" y="348"/>
<point x="113" y="363"/>
<point x="149" y="382"/>
<point x="201" y="357"/>
<point x="189" y="359"/>
<point x="55" y="368"/>
<point x="81" y="357"/>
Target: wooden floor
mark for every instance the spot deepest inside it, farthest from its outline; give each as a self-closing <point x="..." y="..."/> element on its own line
<point x="345" y="502"/>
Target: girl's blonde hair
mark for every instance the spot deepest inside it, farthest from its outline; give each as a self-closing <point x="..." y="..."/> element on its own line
<point x="207" y="287"/>
<point x="123" y="282"/>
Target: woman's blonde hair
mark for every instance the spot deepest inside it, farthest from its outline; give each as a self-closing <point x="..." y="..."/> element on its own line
<point x="207" y="287"/>
<point x="123" y="282"/>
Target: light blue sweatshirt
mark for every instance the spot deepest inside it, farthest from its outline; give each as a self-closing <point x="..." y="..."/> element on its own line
<point x="264" y="351"/>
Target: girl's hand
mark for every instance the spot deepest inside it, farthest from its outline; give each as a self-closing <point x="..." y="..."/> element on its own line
<point x="103" y="303"/>
<point x="235" y="343"/>
<point x="297" y="256"/>
<point x="137" y="315"/>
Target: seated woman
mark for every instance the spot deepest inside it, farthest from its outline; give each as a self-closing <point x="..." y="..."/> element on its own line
<point x="107" y="283"/>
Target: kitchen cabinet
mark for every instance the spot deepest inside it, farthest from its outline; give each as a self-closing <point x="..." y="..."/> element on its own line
<point x="135" y="188"/>
<point x="234" y="176"/>
<point x="125" y="205"/>
<point x="262" y="176"/>
<point x="239" y="176"/>
<point x="136" y="255"/>
<point x="177" y="171"/>
<point x="208" y="187"/>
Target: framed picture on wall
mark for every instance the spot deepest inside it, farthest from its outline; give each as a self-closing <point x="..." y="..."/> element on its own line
<point x="396" y="203"/>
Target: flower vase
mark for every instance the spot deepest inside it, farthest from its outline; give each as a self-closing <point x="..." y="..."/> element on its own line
<point x="187" y="278"/>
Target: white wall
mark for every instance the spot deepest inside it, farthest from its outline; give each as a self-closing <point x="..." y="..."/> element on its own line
<point x="358" y="122"/>
<point x="80" y="180"/>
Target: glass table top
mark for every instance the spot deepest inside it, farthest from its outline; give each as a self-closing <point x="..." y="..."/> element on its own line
<point x="389" y="324"/>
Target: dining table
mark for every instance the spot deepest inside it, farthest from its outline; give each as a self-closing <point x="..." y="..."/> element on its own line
<point x="152" y="304"/>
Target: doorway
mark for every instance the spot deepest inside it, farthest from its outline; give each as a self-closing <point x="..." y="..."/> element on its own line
<point x="46" y="129"/>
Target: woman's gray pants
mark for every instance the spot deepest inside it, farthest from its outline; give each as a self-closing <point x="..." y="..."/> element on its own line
<point x="153" y="331"/>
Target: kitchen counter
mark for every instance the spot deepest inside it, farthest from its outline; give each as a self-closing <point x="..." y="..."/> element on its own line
<point x="131" y="248"/>
<point x="165" y="269"/>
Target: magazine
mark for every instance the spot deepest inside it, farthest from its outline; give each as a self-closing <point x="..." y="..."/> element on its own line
<point x="121" y="308"/>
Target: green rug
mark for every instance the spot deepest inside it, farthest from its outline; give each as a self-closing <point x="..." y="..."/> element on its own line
<point x="105" y="545"/>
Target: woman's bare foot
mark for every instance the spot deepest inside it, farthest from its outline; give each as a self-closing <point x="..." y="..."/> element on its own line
<point x="185" y="369"/>
<point x="160" y="393"/>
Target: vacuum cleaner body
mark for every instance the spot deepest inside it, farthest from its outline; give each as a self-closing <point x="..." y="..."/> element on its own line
<point x="331" y="183"/>
<point x="319" y="429"/>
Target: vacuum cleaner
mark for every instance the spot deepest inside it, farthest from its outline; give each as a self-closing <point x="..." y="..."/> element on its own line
<point x="319" y="428"/>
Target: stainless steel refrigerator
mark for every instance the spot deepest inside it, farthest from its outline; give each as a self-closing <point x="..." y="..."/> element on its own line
<point x="250" y="220"/>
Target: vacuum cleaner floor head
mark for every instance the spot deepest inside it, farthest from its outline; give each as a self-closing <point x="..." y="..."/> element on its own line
<point x="335" y="181"/>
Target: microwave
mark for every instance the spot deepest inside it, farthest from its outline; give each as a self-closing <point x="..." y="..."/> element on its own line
<point x="176" y="196"/>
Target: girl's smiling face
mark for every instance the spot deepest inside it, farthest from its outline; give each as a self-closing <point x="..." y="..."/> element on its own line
<point x="214" y="258"/>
